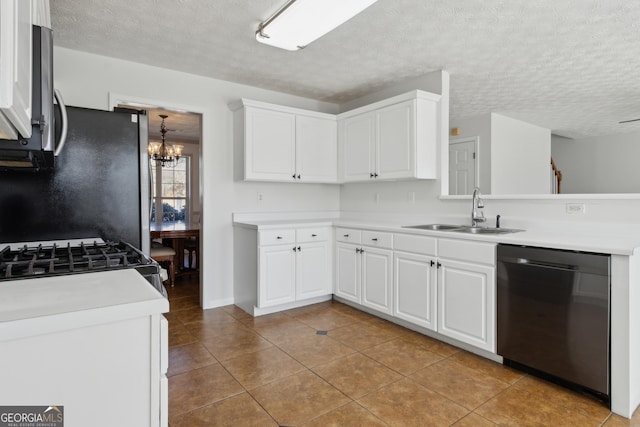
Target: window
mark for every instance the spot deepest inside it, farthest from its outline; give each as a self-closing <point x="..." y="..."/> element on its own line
<point x="170" y="192"/>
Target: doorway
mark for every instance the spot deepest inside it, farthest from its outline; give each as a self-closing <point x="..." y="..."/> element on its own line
<point x="176" y="189"/>
<point x="463" y="167"/>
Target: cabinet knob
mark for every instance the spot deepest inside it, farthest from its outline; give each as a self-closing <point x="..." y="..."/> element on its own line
<point x="371" y="175"/>
<point x="279" y="237"/>
<point x="361" y="250"/>
<point x="293" y="176"/>
<point x="299" y="249"/>
<point x="357" y="250"/>
<point x="294" y="249"/>
<point x="375" y="239"/>
<point x="375" y="175"/>
<point x="298" y="176"/>
<point x="439" y="265"/>
<point x="314" y="235"/>
<point x="432" y="263"/>
<point x="346" y="235"/>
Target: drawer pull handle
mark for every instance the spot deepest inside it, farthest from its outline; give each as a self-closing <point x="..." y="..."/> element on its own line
<point x="279" y="237"/>
<point x="314" y="235"/>
<point x="346" y="235"/>
<point x="375" y="239"/>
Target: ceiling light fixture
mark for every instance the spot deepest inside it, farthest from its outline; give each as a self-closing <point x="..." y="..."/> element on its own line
<point x="165" y="155"/>
<point x="299" y="22"/>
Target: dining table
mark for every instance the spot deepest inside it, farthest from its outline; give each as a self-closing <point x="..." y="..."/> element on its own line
<point x="176" y="232"/>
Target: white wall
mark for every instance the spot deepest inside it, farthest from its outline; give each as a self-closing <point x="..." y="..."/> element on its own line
<point x="601" y="164"/>
<point x="87" y="80"/>
<point x="520" y="157"/>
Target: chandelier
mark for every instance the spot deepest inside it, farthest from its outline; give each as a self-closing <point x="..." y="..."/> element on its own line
<point x="163" y="154"/>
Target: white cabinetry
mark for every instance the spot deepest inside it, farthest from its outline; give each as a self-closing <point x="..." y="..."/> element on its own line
<point x="276" y="269"/>
<point x="391" y="139"/>
<point x="364" y="268"/>
<point x="285" y="144"/>
<point x="415" y="280"/>
<point x="15" y="68"/>
<point x="467" y="292"/>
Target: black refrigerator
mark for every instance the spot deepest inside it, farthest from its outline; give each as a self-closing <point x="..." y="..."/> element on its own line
<point x="99" y="186"/>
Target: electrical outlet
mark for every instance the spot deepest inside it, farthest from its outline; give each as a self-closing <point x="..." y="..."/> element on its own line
<point x="575" y="208"/>
<point x="259" y="196"/>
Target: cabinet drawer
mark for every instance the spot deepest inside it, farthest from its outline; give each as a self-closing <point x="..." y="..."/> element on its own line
<point x="348" y="235"/>
<point x="417" y="244"/>
<point x="378" y="239"/>
<point x="468" y="251"/>
<point x="305" y="235"/>
<point x="276" y="237"/>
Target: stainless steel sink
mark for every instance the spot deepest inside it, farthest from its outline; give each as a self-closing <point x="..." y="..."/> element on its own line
<point x="434" y="227"/>
<point x="485" y="230"/>
<point x="463" y="229"/>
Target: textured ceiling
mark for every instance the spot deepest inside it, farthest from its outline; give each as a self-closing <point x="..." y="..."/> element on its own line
<point x="570" y="65"/>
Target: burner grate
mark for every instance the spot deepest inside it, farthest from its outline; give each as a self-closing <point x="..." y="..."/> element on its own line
<point x="30" y="261"/>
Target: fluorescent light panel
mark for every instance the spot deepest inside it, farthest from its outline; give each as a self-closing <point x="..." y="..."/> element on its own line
<point x="299" y="22"/>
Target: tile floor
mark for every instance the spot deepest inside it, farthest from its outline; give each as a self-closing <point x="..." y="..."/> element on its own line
<point x="229" y="369"/>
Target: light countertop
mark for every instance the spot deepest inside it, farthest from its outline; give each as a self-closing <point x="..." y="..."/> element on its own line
<point x="41" y="305"/>
<point x="590" y="239"/>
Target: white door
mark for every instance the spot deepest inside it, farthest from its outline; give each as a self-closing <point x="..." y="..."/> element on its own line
<point x="395" y="131"/>
<point x="357" y="145"/>
<point x="348" y="272"/>
<point x="270" y="151"/>
<point x="277" y="275"/>
<point x="462" y="166"/>
<point x="377" y="279"/>
<point x="415" y="289"/>
<point x="15" y="68"/>
<point x="316" y="149"/>
<point x="313" y="270"/>
<point x="466" y="303"/>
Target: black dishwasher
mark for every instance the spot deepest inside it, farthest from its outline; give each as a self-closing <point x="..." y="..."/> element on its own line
<point x="553" y="314"/>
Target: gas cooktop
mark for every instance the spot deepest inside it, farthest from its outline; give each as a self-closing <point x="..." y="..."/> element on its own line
<point x="49" y="259"/>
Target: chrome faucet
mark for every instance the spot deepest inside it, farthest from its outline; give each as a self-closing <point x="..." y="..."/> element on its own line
<point x="477" y="215"/>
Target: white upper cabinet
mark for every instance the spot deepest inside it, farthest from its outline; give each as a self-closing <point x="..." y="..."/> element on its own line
<point x="15" y="68"/>
<point x="358" y="147"/>
<point x="283" y="144"/>
<point x="316" y="149"/>
<point x="270" y="145"/>
<point x="391" y="139"/>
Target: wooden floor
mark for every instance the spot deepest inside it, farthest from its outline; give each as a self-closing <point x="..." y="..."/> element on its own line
<point x="331" y="365"/>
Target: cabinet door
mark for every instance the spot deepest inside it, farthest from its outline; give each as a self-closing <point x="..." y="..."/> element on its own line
<point x="395" y="132"/>
<point x="415" y="289"/>
<point x="316" y="149"/>
<point x="348" y="272"/>
<point x="313" y="270"/>
<point x="357" y="145"/>
<point x="277" y="275"/>
<point x="377" y="279"/>
<point x="466" y="303"/>
<point x="15" y="68"/>
<point x="270" y="138"/>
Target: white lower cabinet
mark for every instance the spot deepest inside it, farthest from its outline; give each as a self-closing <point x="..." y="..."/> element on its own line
<point x="377" y="278"/>
<point x="313" y="267"/>
<point x="296" y="269"/>
<point x="348" y="272"/>
<point x="277" y="275"/>
<point x="415" y="289"/>
<point x="364" y="274"/>
<point x="467" y="292"/>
